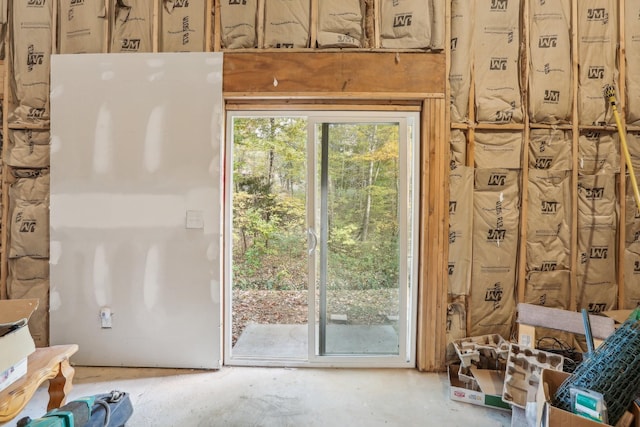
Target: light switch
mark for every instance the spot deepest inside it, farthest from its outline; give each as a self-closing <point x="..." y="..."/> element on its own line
<point x="195" y="219"/>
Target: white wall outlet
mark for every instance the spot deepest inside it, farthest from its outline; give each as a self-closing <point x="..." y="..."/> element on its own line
<point x="105" y="317"/>
<point x="195" y="219"/>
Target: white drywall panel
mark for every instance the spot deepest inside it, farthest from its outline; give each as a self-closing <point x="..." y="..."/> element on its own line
<point x="136" y="151"/>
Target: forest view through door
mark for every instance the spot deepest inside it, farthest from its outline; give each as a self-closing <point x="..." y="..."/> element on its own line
<point x="321" y="239"/>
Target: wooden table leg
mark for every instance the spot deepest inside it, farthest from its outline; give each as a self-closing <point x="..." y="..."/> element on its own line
<point x="61" y="385"/>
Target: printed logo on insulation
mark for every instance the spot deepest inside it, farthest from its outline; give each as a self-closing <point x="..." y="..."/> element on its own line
<point x="595" y="72"/>
<point x="497" y="179"/>
<point x="549" y="266"/>
<point x="35" y="113"/>
<point x="33" y="57"/>
<point x="402" y="20"/>
<point x="238" y="2"/>
<point x="27" y="225"/>
<point x="35" y="3"/>
<point x="597" y="307"/>
<point x="132" y="45"/>
<point x="185" y="29"/>
<point x="548" y="41"/>
<point x="494" y="295"/>
<point x="543" y="162"/>
<point x="592" y="193"/>
<point x="504" y="116"/>
<point x="598" y="14"/>
<point x="498" y="64"/>
<point x="592" y="136"/>
<point x="499" y="5"/>
<point x="549" y="207"/>
<point x="551" y="96"/>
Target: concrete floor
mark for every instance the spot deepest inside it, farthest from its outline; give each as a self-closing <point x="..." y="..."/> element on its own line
<point x="291" y="341"/>
<point x="245" y="396"/>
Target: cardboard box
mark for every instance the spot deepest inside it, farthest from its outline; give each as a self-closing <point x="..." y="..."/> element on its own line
<point x="549" y="415"/>
<point x="13" y="374"/>
<point x="16" y="344"/>
<point x="464" y="392"/>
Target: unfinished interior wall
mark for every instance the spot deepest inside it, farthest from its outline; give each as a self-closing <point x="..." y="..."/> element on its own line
<point x="138" y="26"/>
<point x="575" y="222"/>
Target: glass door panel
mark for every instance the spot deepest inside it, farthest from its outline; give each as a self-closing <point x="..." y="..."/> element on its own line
<point x="360" y="300"/>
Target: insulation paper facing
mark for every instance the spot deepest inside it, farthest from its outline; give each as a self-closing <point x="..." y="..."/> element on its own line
<point x="597" y="51"/>
<point x="496" y="59"/>
<point x="287" y="23"/>
<point x="340" y="23"/>
<point x="132" y="26"/>
<point x="31" y="62"/>
<point x="83" y="26"/>
<point x="460" y="229"/>
<point x="238" y="22"/>
<point x="550" y="77"/>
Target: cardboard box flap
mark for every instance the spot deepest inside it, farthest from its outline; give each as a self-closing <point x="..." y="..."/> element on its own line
<point x="619" y="316"/>
<point x="490" y="381"/>
<point x="16" y="344"/>
<point x="12" y="310"/>
<point x="7" y="328"/>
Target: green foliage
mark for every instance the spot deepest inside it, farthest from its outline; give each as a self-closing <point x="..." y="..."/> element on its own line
<point x="269" y="204"/>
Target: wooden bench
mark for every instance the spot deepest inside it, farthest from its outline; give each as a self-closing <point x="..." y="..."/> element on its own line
<point x="46" y="363"/>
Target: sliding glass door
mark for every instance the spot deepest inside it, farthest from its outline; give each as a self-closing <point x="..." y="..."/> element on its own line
<point x="355" y="174"/>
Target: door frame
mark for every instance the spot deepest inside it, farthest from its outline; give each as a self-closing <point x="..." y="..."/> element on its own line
<point x="409" y="330"/>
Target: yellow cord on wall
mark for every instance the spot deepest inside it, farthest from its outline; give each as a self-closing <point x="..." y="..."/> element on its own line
<point x="610" y="94"/>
